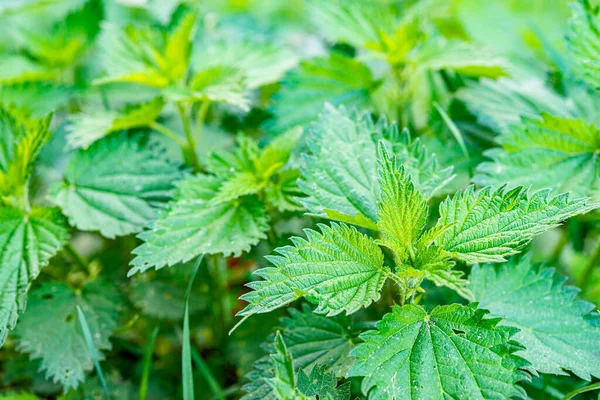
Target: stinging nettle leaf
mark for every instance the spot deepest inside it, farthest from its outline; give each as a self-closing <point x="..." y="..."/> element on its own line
<point x="339" y="268"/>
<point x="50" y="329"/>
<point x="339" y="175"/>
<point x="115" y="186"/>
<point x="560" y="332"/>
<point x="27" y="242"/>
<point x="194" y="225"/>
<point x="314" y="339"/>
<point x="337" y="80"/>
<point x="453" y="352"/>
<point x="403" y="210"/>
<point x="554" y="152"/>
<point x="489" y="226"/>
<point x="584" y="41"/>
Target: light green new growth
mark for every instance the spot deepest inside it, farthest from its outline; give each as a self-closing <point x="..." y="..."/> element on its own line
<point x="51" y="331"/>
<point x="115" y="186"/>
<point x="453" y="352"/>
<point x="554" y="152"/>
<point x="560" y="332"/>
<point x="339" y="269"/>
<point x="22" y="140"/>
<point x="86" y="128"/>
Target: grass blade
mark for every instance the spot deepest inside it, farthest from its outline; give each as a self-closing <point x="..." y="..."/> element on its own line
<point x="87" y="334"/>
<point x="456" y="133"/>
<point x="147" y="363"/>
<point x="186" y="356"/>
<point x="208" y="376"/>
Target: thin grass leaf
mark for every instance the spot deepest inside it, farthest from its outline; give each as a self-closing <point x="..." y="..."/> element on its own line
<point x="456" y="133"/>
<point x="87" y="334"/>
<point x="186" y="356"/>
<point x="147" y="363"/>
<point x="208" y="376"/>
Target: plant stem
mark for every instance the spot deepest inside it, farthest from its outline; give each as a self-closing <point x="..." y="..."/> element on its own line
<point x="584" y="389"/>
<point x="168" y="133"/>
<point x="76" y="257"/>
<point x="560" y="245"/>
<point x="208" y="376"/>
<point x="187" y="376"/>
<point x="593" y="262"/>
<point x="200" y="118"/>
<point x="191" y="142"/>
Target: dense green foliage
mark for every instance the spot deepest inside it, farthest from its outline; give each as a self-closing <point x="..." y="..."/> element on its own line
<point x="304" y="199"/>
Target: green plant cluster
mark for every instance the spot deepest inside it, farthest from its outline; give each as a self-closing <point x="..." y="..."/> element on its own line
<point x="304" y="199"/>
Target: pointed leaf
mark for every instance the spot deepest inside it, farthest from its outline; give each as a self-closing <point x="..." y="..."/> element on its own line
<point x="454" y="352"/>
<point x="560" y="332"/>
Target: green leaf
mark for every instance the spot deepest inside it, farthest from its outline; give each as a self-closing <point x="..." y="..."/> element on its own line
<point x="27" y="242"/>
<point x="217" y="84"/>
<point x="554" y="153"/>
<point x="461" y="57"/>
<point x="502" y="103"/>
<point x="162" y="300"/>
<point x="115" y="186"/>
<point x="260" y="63"/>
<point x="339" y="173"/>
<point x="323" y="384"/>
<point x="22" y="141"/>
<point x="313" y="339"/>
<point x="86" y="128"/>
<point x="15" y="69"/>
<point x="560" y="332"/>
<point x="453" y="352"/>
<point x="38" y="98"/>
<point x="584" y="41"/>
<point x="193" y="224"/>
<point x="339" y="269"/>
<point x="51" y="330"/>
<point x="273" y="377"/>
<point x="337" y="80"/>
<point x="403" y="210"/>
<point x="144" y="56"/>
<point x="489" y="226"/>
<point x="358" y="23"/>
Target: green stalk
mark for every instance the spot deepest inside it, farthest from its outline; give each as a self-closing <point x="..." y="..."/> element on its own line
<point x="200" y="118"/>
<point x="191" y="142"/>
<point x="147" y="363"/>
<point x="187" y="376"/>
<point x="584" y="389"/>
<point x="208" y="376"/>
<point x="160" y="128"/>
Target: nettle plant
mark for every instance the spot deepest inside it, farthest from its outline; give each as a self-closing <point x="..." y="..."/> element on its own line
<point x="375" y="183"/>
<point x="166" y="166"/>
